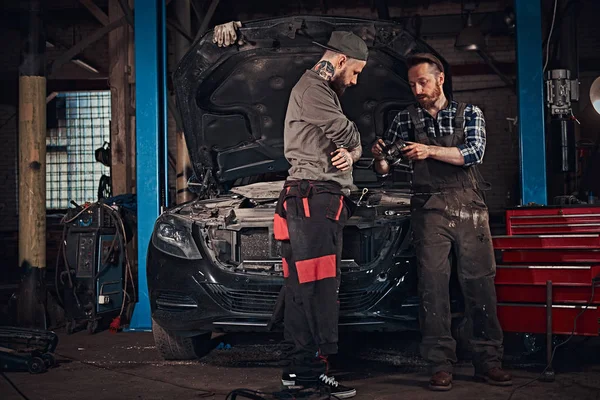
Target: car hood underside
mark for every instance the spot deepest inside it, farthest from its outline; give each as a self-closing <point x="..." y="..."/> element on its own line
<point x="233" y="100"/>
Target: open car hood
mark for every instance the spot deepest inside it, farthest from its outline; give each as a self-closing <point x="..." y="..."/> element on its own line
<point x="233" y="100"/>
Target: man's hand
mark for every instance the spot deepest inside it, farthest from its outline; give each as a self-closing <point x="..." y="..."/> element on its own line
<point x="342" y="159"/>
<point x="225" y="34"/>
<point x="377" y="150"/>
<point x="416" y="151"/>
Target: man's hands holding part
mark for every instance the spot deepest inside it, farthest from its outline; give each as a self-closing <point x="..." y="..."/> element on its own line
<point x="413" y="151"/>
<point x="225" y="34"/>
<point x="416" y="151"/>
<point x="377" y="150"/>
<point x="342" y="159"/>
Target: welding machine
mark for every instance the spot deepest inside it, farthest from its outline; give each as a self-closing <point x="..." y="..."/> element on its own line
<point x="94" y="258"/>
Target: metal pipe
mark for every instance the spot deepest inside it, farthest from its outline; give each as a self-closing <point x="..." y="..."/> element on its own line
<point x="569" y="46"/>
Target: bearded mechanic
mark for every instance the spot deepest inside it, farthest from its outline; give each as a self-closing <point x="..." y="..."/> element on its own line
<point x="445" y="142"/>
<point x="321" y="145"/>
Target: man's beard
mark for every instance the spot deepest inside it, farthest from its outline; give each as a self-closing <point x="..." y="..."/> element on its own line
<point x="338" y="86"/>
<point x="428" y="101"/>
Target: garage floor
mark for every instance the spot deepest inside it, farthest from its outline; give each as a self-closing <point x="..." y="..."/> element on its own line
<point x="127" y="366"/>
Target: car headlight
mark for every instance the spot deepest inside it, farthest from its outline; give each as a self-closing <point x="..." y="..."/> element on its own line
<point x="174" y="237"/>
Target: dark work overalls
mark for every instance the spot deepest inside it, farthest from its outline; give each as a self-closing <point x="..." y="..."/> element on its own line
<point x="309" y="221"/>
<point x="449" y="214"/>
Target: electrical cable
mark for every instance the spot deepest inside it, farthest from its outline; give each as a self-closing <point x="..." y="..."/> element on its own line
<point x="120" y="235"/>
<point x="594" y="283"/>
<point x="281" y="395"/>
<point x="124" y="235"/>
<point x="203" y="393"/>
<point x="14" y="386"/>
<point x="549" y="37"/>
<point x="62" y="240"/>
<point x="85" y="208"/>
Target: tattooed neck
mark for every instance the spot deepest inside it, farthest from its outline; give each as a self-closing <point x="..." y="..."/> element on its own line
<point x="325" y="69"/>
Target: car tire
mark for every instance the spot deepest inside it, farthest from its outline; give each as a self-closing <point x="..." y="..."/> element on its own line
<point x="175" y="347"/>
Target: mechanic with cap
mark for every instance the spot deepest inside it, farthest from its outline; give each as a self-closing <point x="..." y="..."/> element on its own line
<point x="448" y="213"/>
<point x="321" y="145"/>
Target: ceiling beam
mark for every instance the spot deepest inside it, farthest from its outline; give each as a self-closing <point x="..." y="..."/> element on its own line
<point x="81" y="45"/>
<point x="96" y="11"/>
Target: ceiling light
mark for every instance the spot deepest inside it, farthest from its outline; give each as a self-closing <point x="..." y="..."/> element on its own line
<point x="470" y="38"/>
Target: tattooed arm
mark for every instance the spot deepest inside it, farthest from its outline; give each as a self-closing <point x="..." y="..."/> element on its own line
<point x="356" y="152"/>
<point x="344" y="158"/>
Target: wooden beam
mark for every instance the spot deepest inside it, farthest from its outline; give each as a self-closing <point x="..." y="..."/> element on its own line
<point x="120" y="130"/>
<point x="81" y="45"/>
<point x="131" y="109"/>
<point x="51" y="96"/>
<point x="96" y="11"/>
<point x="32" y="171"/>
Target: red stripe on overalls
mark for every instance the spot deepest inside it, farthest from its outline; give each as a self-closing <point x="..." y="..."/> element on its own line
<point x="316" y="269"/>
<point x="306" y="207"/>
<point x="337" y="216"/>
<point x="280" y="225"/>
<point x="280" y="228"/>
<point x="286" y="268"/>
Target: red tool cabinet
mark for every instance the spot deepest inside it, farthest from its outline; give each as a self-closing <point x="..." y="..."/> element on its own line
<point x="549" y="258"/>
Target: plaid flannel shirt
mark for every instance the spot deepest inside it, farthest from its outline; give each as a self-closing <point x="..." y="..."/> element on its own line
<point x="475" y="139"/>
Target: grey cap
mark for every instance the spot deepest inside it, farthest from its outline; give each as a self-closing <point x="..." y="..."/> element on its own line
<point x="347" y="43"/>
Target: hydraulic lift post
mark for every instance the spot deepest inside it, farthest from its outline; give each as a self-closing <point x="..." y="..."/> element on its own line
<point x="151" y="138"/>
<point x="530" y="84"/>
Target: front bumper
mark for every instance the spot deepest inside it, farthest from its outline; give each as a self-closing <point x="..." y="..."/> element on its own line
<point x="196" y="296"/>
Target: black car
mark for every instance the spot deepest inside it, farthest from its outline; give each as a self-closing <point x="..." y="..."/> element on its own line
<point x="213" y="264"/>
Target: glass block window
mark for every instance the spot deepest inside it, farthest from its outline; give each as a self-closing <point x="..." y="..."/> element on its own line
<point x="79" y="123"/>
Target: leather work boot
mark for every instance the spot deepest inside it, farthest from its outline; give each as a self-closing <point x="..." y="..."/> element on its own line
<point x="441" y="381"/>
<point x="497" y="376"/>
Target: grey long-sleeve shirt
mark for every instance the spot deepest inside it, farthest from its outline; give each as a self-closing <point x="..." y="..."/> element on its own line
<point x="315" y="126"/>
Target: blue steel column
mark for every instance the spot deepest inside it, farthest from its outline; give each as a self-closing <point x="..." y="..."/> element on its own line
<point x="150" y="138"/>
<point x="531" y="101"/>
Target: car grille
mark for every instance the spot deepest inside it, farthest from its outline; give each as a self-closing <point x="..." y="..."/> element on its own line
<point x="263" y="302"/>
<point x="243" y="301"/>
<point x="361" y="300"/>
<point x="174" y="301"/>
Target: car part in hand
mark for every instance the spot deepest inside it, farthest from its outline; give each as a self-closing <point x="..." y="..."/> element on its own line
<point x="394" y="151"/>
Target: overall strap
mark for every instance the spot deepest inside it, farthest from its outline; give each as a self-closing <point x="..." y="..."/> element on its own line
<point x="459" y="119"/>
<point x="419" y="125"/>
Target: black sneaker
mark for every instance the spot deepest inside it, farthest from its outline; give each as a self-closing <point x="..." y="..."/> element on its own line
<point x="334" y="388"/>
<point x="288" y="380"/>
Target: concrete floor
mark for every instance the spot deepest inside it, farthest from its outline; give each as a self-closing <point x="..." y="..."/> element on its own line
<point x="127" y="366"/>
